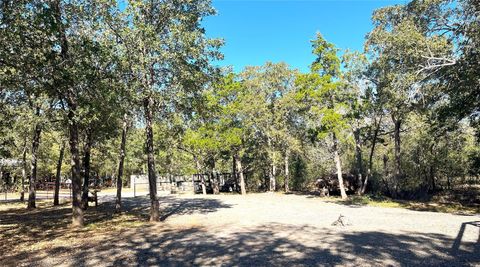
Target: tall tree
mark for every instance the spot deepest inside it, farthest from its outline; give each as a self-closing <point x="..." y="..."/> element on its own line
<point x="168" y="51"/>
<point x="398" y="44"/>
<point x="325" y="97"/>
<point x="121" y="160"/>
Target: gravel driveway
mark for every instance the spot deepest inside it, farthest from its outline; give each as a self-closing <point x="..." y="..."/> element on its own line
<point x="281" y="230"/>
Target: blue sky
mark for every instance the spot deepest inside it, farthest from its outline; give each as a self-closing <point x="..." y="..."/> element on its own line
<point x="256" y="31"/>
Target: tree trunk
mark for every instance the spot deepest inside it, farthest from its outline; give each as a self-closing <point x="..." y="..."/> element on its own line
<point x="370" y="156"/>
<point x="287" y="173"/>
<point x="202" y="178"/>
<point x="33" y="165"/>
<point x="152" y="178"/>
<point x="70" y="97"/>
<point x="432" y="170"/>
<point x="272" y="180"/>
<point x="234" y="173"/>
<point x="339" y="167"/>
<point x="77" y="211"/>
<point x="86" y="167"/>
<point x="398" y="167"/>
<point x="118" y="203"/>
<point x="24" y="170"/>
<point x="215" y="181"/>
<point x="358" y="160"/>
<point x="58" y="175"/>
<point x="239" y="170"/>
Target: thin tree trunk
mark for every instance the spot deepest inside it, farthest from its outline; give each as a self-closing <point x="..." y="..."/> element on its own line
<point x="202" y="178"/>
<point x="370" y="156"/>
<point x="238" y="163"/>
<point x="339" y="167"/>
<point x="118" y="203"/>
<point x="273" y="168"/>
<point x="432" y="170"/>
<point x="234" y="173"/>
<point x="24" y="170"/>
<point x="272" y="180"/>
<point x="86" y="166"/>
<point x="386" y="174"/>
<point x="152" y="178"/>
<point x="77" y="211"/>
<point x="358" y="160"/>
<point x="215" y="185"/>
<point x="33" y="165"/>
<point x="58" y="175"/>
<point x="398" y="167"/>
<point x="287" y="173"/>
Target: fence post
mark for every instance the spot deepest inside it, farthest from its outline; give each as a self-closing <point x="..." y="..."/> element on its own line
<point x="134" y="189"/>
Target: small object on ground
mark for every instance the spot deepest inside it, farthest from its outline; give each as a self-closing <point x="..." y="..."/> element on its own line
<point x="341" y="221"/>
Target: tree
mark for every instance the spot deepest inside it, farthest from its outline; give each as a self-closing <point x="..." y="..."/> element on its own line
<point x="167" y="53"/>
<point x="397" y="45"/>
<point x="265" y="110"/>
<point x="322" y="90"/>
<point x="121" y="160"/>
<point x="58" y="175"/>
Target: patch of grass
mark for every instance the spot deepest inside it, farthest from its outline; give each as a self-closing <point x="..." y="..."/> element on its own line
<point x="384" y="202"/>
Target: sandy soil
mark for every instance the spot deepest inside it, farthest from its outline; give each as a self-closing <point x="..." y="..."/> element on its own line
<point x="264" y="229"/>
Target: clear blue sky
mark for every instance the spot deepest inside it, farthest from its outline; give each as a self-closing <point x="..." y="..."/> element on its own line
<point x="256" y="31"/>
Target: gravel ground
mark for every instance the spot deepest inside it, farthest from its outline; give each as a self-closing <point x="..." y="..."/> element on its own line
<point x="276" y="229"/>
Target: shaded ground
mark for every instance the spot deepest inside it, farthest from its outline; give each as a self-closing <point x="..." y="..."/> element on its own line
<point x="259" y="229"/>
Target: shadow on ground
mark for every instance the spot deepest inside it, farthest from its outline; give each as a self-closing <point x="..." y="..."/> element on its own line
<point x="20" y="226"/>
<point x="263" y="245"/>
<point x="272" y="244"/>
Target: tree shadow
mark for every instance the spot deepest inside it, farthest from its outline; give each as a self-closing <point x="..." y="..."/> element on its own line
<point x="20" y="226"/>
<point x="307" y="194"/>
<point x="273" y="244"/>
<point x="461" y="232"/>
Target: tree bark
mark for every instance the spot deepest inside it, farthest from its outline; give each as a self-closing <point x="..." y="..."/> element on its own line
<point x="358" y="160"/>
<point x="58" y="175"/>
<point x="339" y="167"/>
<point x="33" y="165"/>
<point x="121" y="159"/>
<point x="272" y="180"/>
<point x="398" y="167"/>
<point x="24" y="170"/>
<point x="234" y="173"/>
<point x="287" y="173"/>
<point x="202" y="179"/>
<point x="77" y="211"/>
<point x="86" y="167"/>
<point x="238" y="163"/>
<point x="386" y="173"/>
<point x="152" y="177"/>
<point x="273" y="168"/>
<point x="432" y="170"/>
<point x="215" y="180"/>
<point x="370" y="156"/>
<point x="71" y="99"/>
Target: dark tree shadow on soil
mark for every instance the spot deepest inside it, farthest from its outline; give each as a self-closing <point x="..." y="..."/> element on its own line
<point x="19" y="226"/>
<point x="273" y="244"/>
